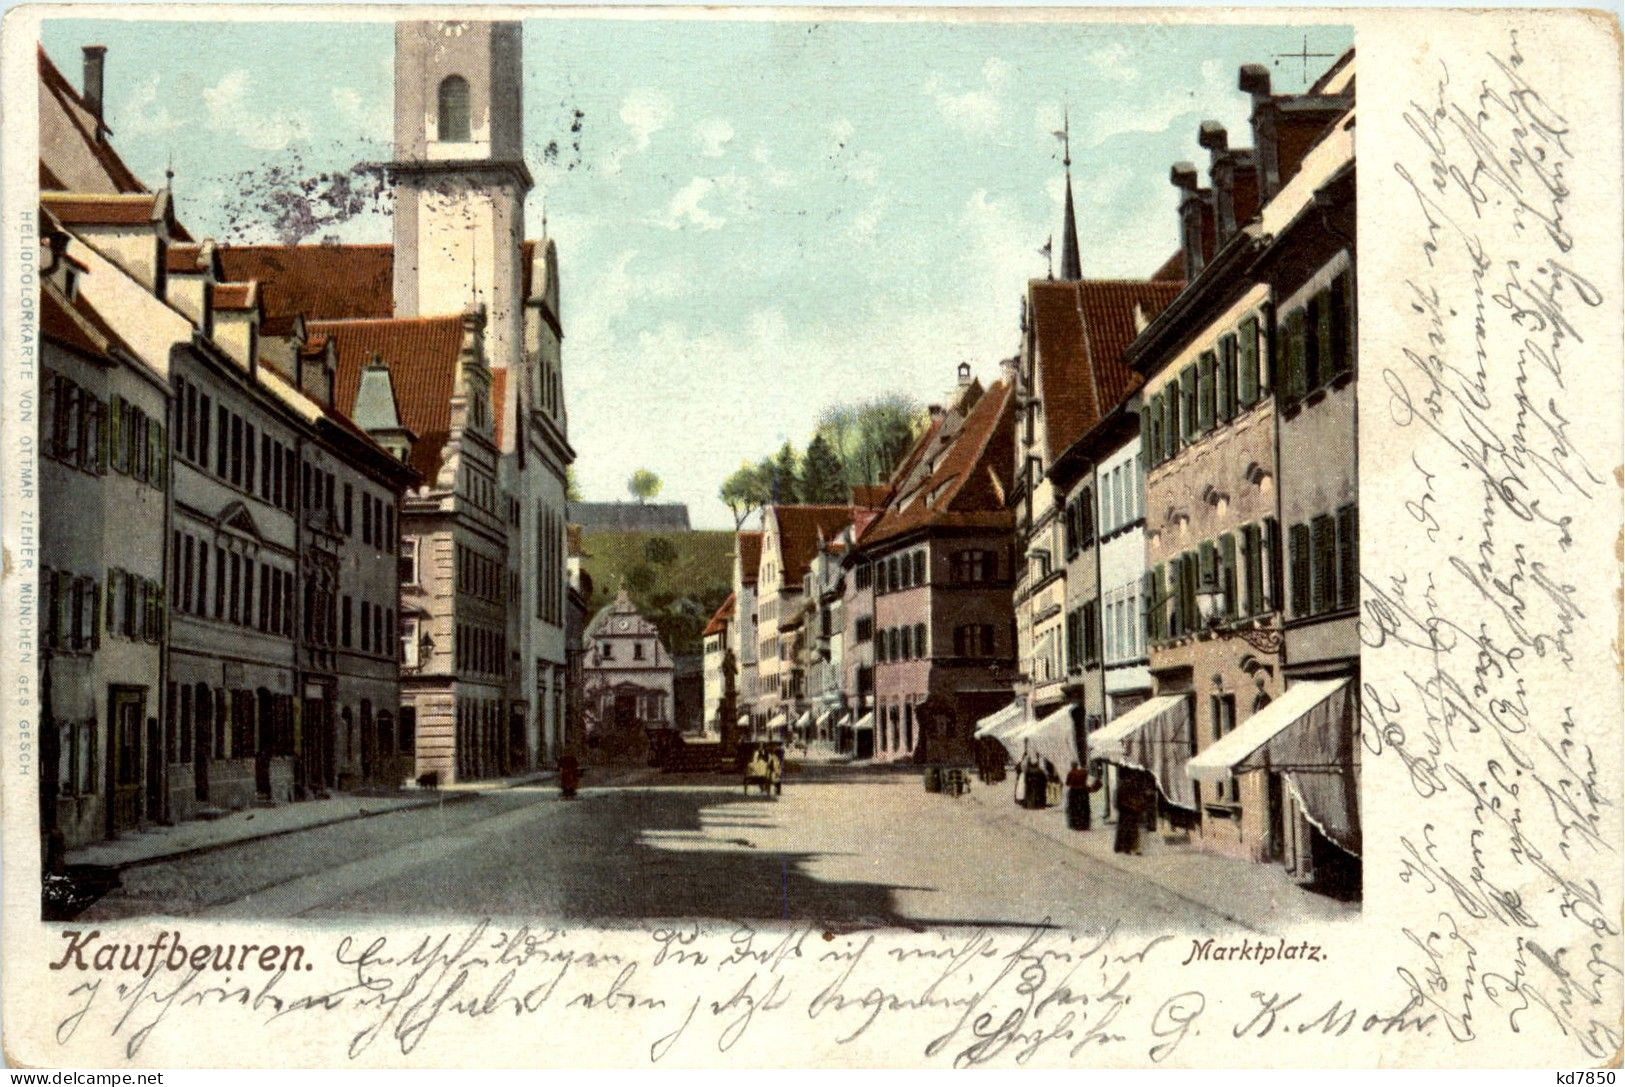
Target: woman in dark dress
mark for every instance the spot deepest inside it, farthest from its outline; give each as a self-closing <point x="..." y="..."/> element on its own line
<point x="1079" y="786"/>
<point x="1131" y="805"/>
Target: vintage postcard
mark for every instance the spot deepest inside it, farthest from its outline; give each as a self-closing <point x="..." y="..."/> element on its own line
<point x="811" y="537"/>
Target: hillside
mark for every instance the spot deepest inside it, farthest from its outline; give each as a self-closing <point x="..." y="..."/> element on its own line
<point x="677" y="579"/>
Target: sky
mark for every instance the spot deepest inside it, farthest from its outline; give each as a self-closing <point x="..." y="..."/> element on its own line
<point x="755" y="220"/>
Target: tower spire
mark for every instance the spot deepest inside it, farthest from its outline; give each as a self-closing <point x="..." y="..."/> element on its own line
<point x="1071" y="263"/>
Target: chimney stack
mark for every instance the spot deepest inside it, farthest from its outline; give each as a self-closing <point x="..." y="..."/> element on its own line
<point x="1183" y="177"/>
<point x="1222" y="169"/>
<point x="95" y="60"/>
<point x="1255" y="80"/>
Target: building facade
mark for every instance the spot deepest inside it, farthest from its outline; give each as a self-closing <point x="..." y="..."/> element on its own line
<point x="941" y="568"/>
<point x="720" y="669"/>
<point x="1217" y="365"/>
<point x="627" y="691"/>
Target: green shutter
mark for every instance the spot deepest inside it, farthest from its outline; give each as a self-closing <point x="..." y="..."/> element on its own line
<point x="1298" y="562"/>
<point x="1325" y="361"/>
<point x="1188" y="402"/>
<point x="116" y="431"/>
<point x="1348" y="557"/>
<point x="1247" y="364"/>
<point x="1342" y="328"/>
<point x="1295" y="376"/>
<point x="1227" y="379"/>
<point x="1227" y="573"/>
<point x="1271" y="548"/>
<point x="1206" y="379"/>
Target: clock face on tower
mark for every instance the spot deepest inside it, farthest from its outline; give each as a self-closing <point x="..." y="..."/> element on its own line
<point x="624" y="625"/>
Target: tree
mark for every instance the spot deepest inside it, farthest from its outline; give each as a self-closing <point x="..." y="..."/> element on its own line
<point x="745" y="492"/>
<point x="871" y="436"/>
<point x="782" y="471"/>
<point x="822" y="477"/>
<point x="644" y="485"/>
<point x="572" y="489"/>
<point x="660" y="551"/>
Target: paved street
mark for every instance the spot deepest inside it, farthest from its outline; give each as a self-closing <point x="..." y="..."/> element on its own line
<point x="842" y="847"/>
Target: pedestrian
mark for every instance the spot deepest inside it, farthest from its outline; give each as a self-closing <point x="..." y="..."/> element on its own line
<point x="1079" y="786"/>
<point x="775" y="772"/>
<point x="756" y="770"/>
<point x="1037" y="785"/>
<point x="1131" y="808"/>
<point x="1021" y="784"/>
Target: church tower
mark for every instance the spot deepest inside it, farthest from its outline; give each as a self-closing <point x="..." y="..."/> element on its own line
<point x="460" y="177"/>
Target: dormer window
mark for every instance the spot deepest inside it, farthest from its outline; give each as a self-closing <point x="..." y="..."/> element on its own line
<point x="453" y="110"/>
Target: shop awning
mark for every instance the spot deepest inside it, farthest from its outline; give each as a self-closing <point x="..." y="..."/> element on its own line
<point x="1306" y="735"/>
<point x="825" y="718"/>
<point x="843" y="721"/>
<point x="744" y="720"/>
<point x="1051" y="739"/>
<point x="1002" y="721"/>
<point x="803" y="721"/>
<point x="866" y="723"/>
<point x="1154" y="736"/>
<point x="778" y="720"/>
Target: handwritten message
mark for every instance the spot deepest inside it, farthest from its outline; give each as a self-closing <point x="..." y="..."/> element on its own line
<point x="689" y="993"/>
<point x="1489" y="624"/>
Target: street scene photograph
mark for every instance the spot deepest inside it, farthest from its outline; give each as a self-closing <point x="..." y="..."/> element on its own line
<point x="614" y="471"/>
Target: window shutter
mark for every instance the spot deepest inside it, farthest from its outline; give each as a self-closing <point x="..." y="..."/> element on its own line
<point x="1271" y="538"/>
<point x="1348" y="558"/>
<point x="1070" y="517"/>
<point x="1323" y="539"/>
<point x="1325" y="347"/>
<point x="1342" y="329"/>
<point x="115" y="436"/>
<point x="1188" y="402"/>
<point x="1298" y="543"/>
<point x="1295" y="356"/>
<point x="1208" y="380"/>
<point x="1247" y="364"/>
<point x="1227" y="379"/>
<point x="1170" y="420"/>
<point x="1227" y="572"/>
<point x="95" y="614"/>
<point x="1150" y="430"/>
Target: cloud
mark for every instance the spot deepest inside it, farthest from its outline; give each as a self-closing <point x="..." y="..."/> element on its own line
<point x="141" y="114"/>
<point x="1113" y="62"/>
<point x="248" y="117"/>
<point x="713" y="135"/>
<point x="369" y="115"/>
<point x="975" y="111"/>
<point x="776" y="176"/>
<point x="645" y="112"/>
<point x="686" y="208"/>
<point x="1156" y="111"/>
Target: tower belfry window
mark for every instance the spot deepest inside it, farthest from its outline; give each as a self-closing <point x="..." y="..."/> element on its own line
<point x="453" y="114"/>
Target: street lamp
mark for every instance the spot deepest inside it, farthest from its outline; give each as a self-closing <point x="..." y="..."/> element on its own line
<point x="1210" y="606"/>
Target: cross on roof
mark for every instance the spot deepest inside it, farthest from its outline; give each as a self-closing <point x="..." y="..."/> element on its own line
<point x="1305" y="56"/>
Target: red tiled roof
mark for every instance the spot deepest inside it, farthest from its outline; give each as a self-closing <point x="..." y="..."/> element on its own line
<point x="968" y="484"/>
<point x="719" y="621"/>
<point x="421" y="353"/>
<point x="184" y="258"/>
<point x="870" y="496"/>
<point x="801" y="529"/>
<point x="101" y="209"/>
<point x="1081" y="330"/>
<point x="750" y="556"/>
<point x="235" y="296"/>
<point x="317" y="282"/>
<point x="72" y="102"/>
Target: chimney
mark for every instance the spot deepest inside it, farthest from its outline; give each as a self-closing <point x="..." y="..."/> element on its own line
<point x="95" y="59"/>
<point x="1222" y="169"/>
<point x="1255" y="80"/>
<point x="1183" y="177"/>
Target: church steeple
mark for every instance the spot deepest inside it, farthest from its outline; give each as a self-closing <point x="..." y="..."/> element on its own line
<point x="1071" y="262"/>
